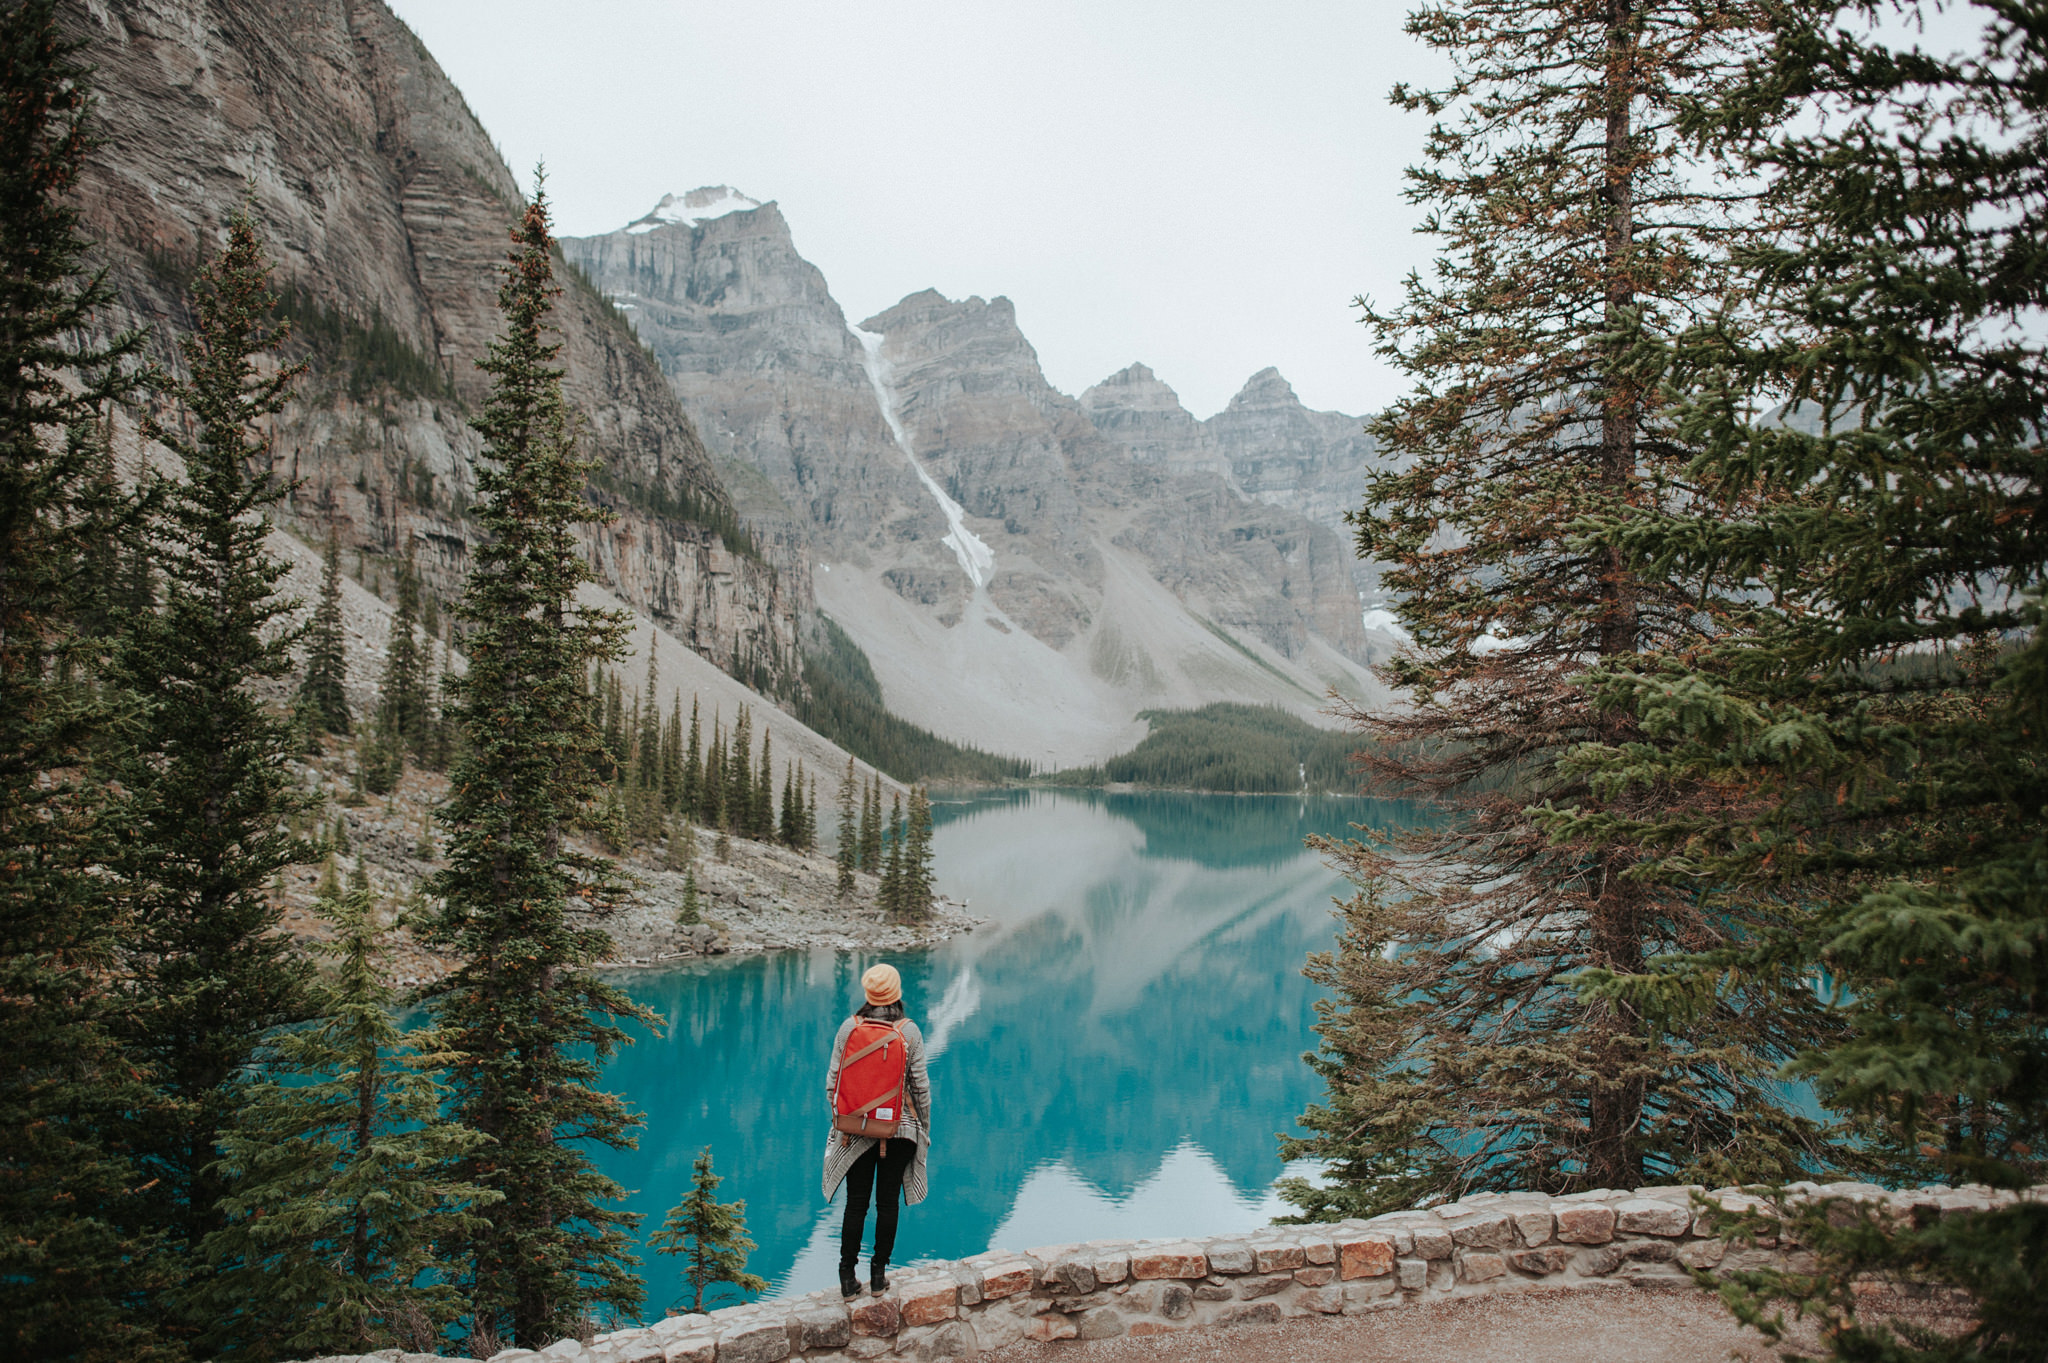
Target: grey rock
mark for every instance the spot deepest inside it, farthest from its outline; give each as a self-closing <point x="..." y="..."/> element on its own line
<point x="1104" y="1322"/>
<point x="1230" y="1257"/>
<point x="1252" y="1313"/>
<point x="754" y="1344"/>
<point x="1360" y="1295"/>
<point x="822" y="1327"/>
<point x="1433" y="1244"/>
<point x="1073" y="1275"/>
<point x="1250" y="1289"/>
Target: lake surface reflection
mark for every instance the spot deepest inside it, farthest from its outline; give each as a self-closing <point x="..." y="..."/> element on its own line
<point x="1111" y="1056"/>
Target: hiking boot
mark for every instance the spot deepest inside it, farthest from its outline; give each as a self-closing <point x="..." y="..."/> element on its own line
<point x="878" y="1276"/>
<point x="849" y="1281"/>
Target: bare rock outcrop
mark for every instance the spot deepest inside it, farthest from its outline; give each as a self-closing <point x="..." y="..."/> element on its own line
<point x="386" y="209"/>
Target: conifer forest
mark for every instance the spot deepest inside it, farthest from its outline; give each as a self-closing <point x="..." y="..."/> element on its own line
<point x="1712" y="518"/>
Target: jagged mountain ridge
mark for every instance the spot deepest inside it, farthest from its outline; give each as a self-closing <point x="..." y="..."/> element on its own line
<point x="1266" y="442"/>
<point x="1118" y="581"/>
<point x="386" y="208"/>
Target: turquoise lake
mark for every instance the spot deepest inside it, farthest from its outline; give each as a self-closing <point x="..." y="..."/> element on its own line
<point x="1111" y="1055"/>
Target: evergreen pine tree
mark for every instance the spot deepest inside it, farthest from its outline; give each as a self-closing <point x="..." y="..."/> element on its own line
<point x="68" y="1271"/>
<point x="711" y="784"/>
<point x="405" y="689"/>
<point x="672" y="758"/>
<point x="711" y="1235"/>
<point x="617" y="740"/>
<point x="849" y="836"/>
<point x="789" y="824"/>
<point x="692" y="911"/>
<point x="323" y="695"/>
<point x="811" y="816"/>
<point x="647" y="748"/>
<point x="530" y="1023"/>
<point x="1580" y="234"/>
<point x="339" y="1166"/>
<point x="682" y="845"/>
<point x="210" y="795"/>
<point x="915" y="890"/>
<point x="763" y="819"/>
<point x="890" y="893"/>
<point x="871" y="826"/>
<point x="690" y="800"/>
<point x="400" y="725"/>
<point x="1865" y="736"/>
<point x="739" y="775"/>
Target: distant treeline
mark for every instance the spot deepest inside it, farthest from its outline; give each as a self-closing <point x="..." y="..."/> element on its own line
<point x="845" y="705"/>
<point x="1241" y="749"/>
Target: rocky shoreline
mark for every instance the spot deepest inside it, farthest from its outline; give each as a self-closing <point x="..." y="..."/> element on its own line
<point x="758" y="897"/>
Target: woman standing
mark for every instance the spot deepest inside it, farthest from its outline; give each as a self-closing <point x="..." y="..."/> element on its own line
<point x="892" y="1167"/>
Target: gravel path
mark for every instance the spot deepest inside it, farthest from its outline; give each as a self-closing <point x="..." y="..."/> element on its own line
<point x="1614" y="1325"/>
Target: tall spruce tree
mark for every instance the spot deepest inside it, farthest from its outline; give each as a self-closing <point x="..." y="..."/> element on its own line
<point x="672" y="756"/>
<point x="889" y="894"/>
<point x="210" y="799"/>
<point x="69" y="1266"/>
<point x="711" y="785"/>
<point x="915" y="891"/>
<point x="1866" y="734"/>
<point x="340" y="1168"/>
<point x="849" y="836"/>
<point x="529" y="1021"/>
<point x="739" y="775"/>
<point x="323" y="694"/>
<point x="1579" y="235"/>
<point x="871" y="825"/>
<point x="762" y="822"/>
<point x="402" y="721"/>
<point x="647" y="743"/>
<point x="693" y="765"/>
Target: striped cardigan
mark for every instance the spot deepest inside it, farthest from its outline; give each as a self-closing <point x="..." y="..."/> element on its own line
<point x="841" y="1150"/>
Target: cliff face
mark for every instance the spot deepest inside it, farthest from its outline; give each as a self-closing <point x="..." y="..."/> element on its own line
<point x="1024" y="572"/>
<point x="1012" y="449"/>
<point x="1265" y="443"/>
<point x="1286" y="455"/>
<point x="386" y="211"/>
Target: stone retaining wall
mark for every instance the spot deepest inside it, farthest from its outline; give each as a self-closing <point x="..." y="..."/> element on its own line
<point x="1490" y="1242"/>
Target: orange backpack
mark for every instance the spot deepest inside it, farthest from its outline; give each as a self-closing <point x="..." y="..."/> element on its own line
<point x="871" y="1068"/>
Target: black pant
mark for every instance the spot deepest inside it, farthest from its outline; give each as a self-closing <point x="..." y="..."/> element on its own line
<point x="860" y="1179"/>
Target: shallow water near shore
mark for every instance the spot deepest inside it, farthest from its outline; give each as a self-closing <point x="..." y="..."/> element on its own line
<point x="1111" y="1055"/>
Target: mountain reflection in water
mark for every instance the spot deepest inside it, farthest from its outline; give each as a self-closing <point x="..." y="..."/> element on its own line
<point x="1111" y="1056"/>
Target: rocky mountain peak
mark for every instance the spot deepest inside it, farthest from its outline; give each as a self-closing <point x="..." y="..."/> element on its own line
<point x="1134" y="388"/>
<point x="1264" y="389"/>
<point x="697" y="205"/>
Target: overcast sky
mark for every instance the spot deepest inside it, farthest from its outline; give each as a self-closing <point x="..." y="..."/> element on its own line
<point x="1202" y="186"/>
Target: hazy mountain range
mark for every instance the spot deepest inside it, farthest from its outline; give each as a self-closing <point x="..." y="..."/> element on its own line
<point x="1026" y="570"/>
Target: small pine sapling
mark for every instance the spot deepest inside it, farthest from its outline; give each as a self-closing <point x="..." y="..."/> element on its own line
<point x="710" y="1234"/>
<point x="692" y="912"/>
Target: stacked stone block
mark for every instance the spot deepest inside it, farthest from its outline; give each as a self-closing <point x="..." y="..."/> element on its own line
<point x="1102" y="1289"/>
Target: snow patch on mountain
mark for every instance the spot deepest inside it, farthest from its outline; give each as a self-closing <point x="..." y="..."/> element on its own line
<point x="698" y="205"/>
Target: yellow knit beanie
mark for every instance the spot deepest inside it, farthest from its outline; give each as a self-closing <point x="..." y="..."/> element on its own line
<point x="882" y="984"/>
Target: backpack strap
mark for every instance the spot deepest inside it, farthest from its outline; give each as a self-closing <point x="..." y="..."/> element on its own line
<point x="873" y="1046"/>
<point x="865" y="1108"/>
